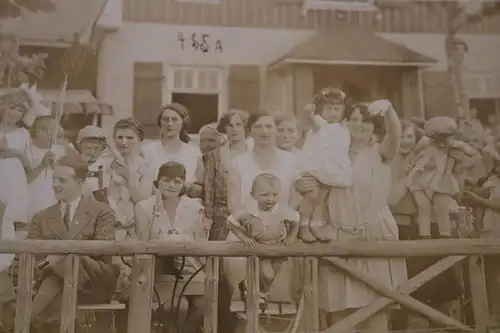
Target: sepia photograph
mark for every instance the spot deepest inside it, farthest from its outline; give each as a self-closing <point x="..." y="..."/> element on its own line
<point x="249" y="166"/>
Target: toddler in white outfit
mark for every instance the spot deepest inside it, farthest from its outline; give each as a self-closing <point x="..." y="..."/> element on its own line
<point x="324" y="156"/>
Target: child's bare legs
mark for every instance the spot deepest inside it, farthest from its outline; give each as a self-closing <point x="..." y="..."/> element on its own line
<point x="306" y="209"/>
<point x="443" y="206"/>
<point x="424" y="207"/>
<point x="320" y="228"/>
<point x="268" y="269"/>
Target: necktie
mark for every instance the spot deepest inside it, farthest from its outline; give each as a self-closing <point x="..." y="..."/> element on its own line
<point x="67" y="217"/>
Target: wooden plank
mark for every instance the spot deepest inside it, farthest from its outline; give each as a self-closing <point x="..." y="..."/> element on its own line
<point x="406" y="288"/>
<point x="311" y="313"/>
<point x="253" y="295"/>
<point x="24" y="293"/>
<point x="408" y="301"/>
<point x="69" y="301"/>
<point x="141" y="293"/>
<point x="396" y="249"/>
<point x="211" y="295"/>
<point x="479" y="294"/>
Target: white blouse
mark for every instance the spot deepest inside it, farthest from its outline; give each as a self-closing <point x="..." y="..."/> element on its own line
<point x="188" y="155"/>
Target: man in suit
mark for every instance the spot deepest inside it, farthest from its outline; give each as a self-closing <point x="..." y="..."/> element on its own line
<point x="73" y="217"/>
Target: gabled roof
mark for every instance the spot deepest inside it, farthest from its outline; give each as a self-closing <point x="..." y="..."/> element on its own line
<point x="70" y="17"/>
<point x="347" y="44"/>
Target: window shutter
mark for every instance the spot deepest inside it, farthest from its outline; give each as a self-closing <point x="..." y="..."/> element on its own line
<point x="148" y="86"/>
<point x="438" y="94"/>
<point x="244" y="87"/>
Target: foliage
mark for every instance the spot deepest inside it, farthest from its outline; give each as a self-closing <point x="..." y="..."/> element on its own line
<point x="14" y="8"/>
<point x="15" y="68"/>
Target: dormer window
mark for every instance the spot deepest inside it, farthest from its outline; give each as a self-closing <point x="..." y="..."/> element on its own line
<point x="344" y="5"/>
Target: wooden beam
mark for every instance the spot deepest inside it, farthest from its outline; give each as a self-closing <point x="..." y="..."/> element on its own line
<point x="408" y="301"/>
<point x="24" y="293"/>
<point x="396" y="249"/>
<point x="311" y="308"/>
<point x="141" y="293"/>
<point x="253" y="295"/>
<point x="479" y="294"/>
<point x="407" y="287"/>
<point x="211" y="295"/>
<point x="69" y="301"/>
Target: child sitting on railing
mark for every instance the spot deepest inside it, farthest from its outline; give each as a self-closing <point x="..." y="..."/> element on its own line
<point x="266" y="224"/>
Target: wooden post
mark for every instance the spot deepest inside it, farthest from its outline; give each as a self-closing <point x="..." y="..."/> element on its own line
<point x="253" y="295"/>
<point x="311" y="311"/>
<point x="141" y="295"/>
<point x="211" y="295"/>
<point x="24" y="293"/>
<point x="479" y="294"/>
<point x="69" y="301"/>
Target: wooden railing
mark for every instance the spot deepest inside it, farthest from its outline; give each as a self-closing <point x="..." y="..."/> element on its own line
<point x="140" y="305"/>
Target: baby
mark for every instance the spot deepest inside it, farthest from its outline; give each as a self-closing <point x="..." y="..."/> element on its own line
<point x="324" y="156"/>
<point x="267" y="223"/>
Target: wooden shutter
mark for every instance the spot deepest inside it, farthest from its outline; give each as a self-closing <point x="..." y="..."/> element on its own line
<point x="244" y="87"/>
<point x="148" y="87"/>
<point x="438" y="94"/>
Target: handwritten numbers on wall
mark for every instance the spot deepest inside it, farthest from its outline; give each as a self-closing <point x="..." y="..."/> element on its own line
<point x="199" y="43"/>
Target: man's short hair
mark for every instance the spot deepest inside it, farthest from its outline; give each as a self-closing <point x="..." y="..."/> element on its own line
<point x="77" y="164"/>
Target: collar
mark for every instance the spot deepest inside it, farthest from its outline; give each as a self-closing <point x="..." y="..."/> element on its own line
<point x="73" y="204"/>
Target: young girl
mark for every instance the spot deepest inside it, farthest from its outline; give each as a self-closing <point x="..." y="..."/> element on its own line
<point x="325" y="156"/>
<point x="44" y="155"/>
<point x="15" y="154"/>
<point x="432" y="179"/>
<point x="266" y="224"/>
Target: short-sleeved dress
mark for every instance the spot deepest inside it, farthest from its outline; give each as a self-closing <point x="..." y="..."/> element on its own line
<point x="188" y="155"/>
<point x="361" y="212"/>
<point x="41" y="195"/>
<point x="187" y="226"/>
<point x="14" y="185"/>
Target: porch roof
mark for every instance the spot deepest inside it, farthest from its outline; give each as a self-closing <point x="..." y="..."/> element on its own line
<point x="349" y="45"/>
<point x="55" y="27"/>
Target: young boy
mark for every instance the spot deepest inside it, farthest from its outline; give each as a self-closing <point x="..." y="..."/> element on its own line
<point x="266" y="224"/>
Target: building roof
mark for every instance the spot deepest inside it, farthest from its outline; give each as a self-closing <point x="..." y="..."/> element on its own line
<point x="70" y="17"/>
<point x="349" y="45"/>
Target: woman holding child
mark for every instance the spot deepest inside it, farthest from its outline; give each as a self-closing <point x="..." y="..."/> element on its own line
<point x="361" y="210"/>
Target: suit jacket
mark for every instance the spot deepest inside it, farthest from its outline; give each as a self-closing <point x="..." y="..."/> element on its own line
<point x="92" y="220"/>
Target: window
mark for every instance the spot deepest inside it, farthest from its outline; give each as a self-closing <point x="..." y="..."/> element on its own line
<point x="196" y="79"/>
<point x="347" y="5"/>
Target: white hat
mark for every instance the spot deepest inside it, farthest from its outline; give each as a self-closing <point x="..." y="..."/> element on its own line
<point x="91" y="132"/>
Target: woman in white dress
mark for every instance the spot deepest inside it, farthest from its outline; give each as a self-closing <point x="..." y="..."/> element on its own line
<point x="264" y="158"/>
<point x="44" y="155"/>
<point x="173" y="145"/>
<point x="361" y="212"/>
<point x="172" y="216"/>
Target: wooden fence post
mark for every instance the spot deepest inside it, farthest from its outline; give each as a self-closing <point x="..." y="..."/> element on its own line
<point x="24" y="293"/>
<point x="479" y="294"/>
<point x="211" y="295"/>
<point x="253" y="295"/>
<point x="311" y="310"/>
<point x="69" y="301"/>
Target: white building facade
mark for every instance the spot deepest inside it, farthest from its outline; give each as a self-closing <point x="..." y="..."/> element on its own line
<point x="212" y="55"/>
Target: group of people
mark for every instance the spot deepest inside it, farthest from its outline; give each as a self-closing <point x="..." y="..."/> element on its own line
<point x="338" y="170"/>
